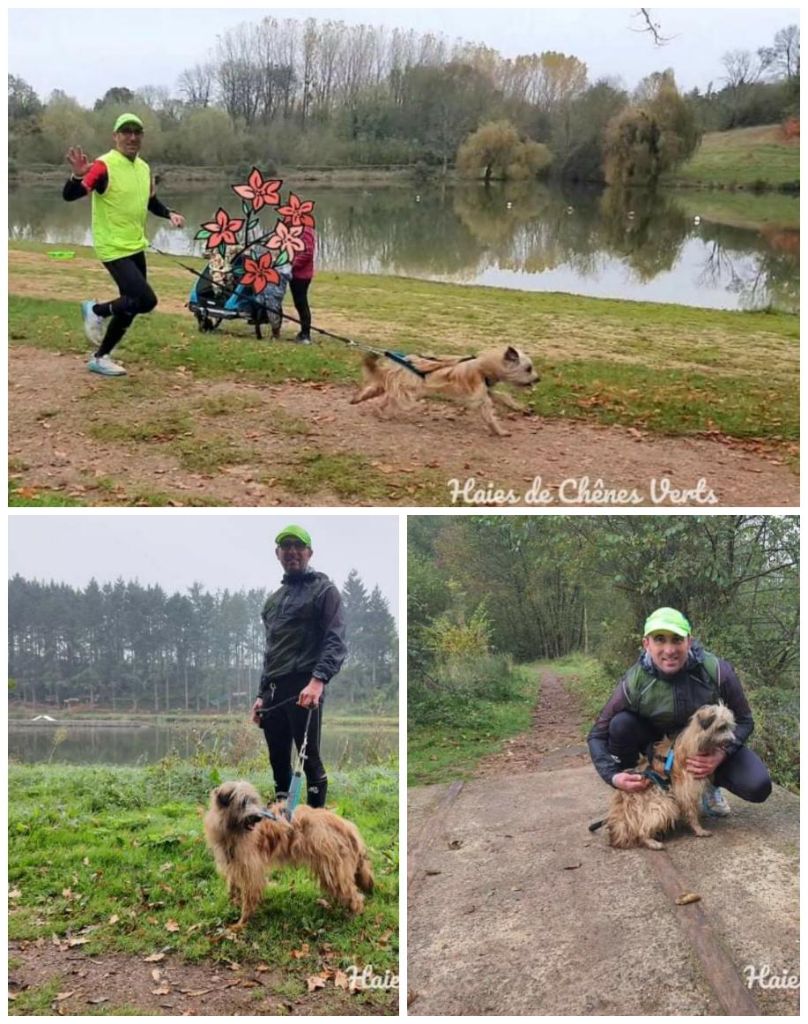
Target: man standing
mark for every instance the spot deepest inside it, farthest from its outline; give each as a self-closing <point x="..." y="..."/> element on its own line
<point x="674" y="677"/>
<point x="122" y="192"/>
<point x="305" y="648"/>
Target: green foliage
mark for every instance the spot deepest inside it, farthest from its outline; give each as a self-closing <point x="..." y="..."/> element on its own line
<point x="495" y="151"/>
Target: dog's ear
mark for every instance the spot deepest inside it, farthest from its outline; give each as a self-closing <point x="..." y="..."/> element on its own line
<point x="706" y="721"/>
<point x="223" y="797"/>
<point x="511" y="355"/>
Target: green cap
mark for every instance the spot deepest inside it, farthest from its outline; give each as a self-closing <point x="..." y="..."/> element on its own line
<point x="127" y="119"/>
<point x="667" y="620"/>
<point x="294" y="531"/>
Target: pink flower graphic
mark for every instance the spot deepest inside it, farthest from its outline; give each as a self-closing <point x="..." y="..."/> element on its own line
<point x="297" y="213"/>
<point x="259" y="192"/>
<point x="287" y="240"/>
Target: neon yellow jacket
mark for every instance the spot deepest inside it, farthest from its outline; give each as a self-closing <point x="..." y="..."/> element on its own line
<point x="119" y="215"/>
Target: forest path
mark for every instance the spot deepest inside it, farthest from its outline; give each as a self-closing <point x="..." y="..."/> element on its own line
<point x="516" y="908"/>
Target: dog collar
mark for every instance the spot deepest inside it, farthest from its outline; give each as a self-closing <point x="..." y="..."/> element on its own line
<point x="267" y="814"/>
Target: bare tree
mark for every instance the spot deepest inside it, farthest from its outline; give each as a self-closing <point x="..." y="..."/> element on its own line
<point x="196" y="84"/>
<point x="782" y="60"/>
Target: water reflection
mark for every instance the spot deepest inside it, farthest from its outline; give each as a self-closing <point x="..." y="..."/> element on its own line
<point x="616" y="244"/>
<point x="146" y="744"/>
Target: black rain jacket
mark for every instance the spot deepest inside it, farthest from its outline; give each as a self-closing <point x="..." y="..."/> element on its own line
<point x="305" y="630"/>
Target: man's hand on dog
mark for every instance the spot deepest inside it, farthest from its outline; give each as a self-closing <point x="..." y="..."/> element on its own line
<point x="311" y="693"/>
<point x="703" y="765"/>
<point x="630" y="782"/>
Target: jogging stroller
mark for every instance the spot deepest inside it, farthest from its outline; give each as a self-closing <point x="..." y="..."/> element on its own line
<point x="217" y="294"/>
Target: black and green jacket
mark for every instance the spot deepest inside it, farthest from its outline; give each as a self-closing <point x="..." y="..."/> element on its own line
<point x="305" y="630"/>
<point x="667" y="702"/>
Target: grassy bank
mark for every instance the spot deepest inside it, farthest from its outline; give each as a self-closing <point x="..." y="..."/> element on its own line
<point x="776" y="714"/>
<point x="449" y="732"/>
<point x="666" y="368"/>
<point x="743" y="158"/>
<point x="114" y="860"/>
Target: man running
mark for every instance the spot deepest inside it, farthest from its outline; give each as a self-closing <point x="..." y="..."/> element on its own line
<point x="122" y="192"/>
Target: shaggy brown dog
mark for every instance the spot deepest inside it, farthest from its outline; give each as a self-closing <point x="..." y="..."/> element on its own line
<point x="246" y="845"/>
<point x="635" y="818"/>
<point x="469" y="380"/>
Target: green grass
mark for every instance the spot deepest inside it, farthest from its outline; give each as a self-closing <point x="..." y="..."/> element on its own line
<point x="743" y="158"/>
<point x="673" y="369"/>
<point x="37" y="497"/>
<point x="465" y="729"/>
<point x="91" y="844"/>
<point x="769" y="211"/>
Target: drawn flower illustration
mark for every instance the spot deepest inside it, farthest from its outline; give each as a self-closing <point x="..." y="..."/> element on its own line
<point x="286" y="240"/>
<point x="259" y="192"/>
<point x="259" y="273"/>
<point x="221" y="231"/>
<point x="297" y="213"/>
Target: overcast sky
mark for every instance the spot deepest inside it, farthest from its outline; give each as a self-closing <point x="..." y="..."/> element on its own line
<point x="218" y="551"/>
<point x="87" y="51"/>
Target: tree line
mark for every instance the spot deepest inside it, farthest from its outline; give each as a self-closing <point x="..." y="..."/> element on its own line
<point x="546" y="586"/>
<point x="314" y="93"/>
<point x="125" y="646"/>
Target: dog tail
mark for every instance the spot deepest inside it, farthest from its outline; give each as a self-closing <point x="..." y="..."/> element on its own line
<point x="364" y="875"/>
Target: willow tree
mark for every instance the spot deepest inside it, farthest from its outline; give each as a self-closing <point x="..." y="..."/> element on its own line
<point x="496" y="150"/>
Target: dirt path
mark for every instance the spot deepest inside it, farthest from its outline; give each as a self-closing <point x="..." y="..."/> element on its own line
<point x="554" y="741"/>
<point x="232" y="443"/>
<point x="111" y="982"/>
<point x="515" y="908"/>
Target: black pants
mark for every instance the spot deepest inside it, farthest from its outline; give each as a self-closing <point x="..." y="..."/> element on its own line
<point x="300" y="297"/>
<point x="743" y="773"/>
<point x="129" y="274"/>
<point x="286" y="724"/>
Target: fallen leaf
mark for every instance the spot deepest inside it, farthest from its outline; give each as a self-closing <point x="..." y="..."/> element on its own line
<point x="154" y="958"/>
<point x="687" y="897"/>
<point x="315" y="982"/>
<point x="298" y="954"/>
<point x="14" y="894"/>
<point x="76" y="942"/>
<point x="156" y="974"/>
<point x="100" y="999"/>
<point x="341" y="980"/>
<point x="114" y="919"/>
<point x="163" y="990"/>
<point x="60" y="996"/>
<point x="172" y="926"/>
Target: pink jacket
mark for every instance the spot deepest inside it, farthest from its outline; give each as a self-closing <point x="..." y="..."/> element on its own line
<point x="303" y="263"/>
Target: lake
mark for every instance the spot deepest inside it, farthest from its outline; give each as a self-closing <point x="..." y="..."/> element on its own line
<point x="343" y="741"/>
<point x="655" y="247"/>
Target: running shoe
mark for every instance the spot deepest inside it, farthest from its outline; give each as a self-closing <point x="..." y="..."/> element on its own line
<point x="714" y="802"/>
<point x="106" y="367"/>
<point x="93" y="323"/>
<point x="303" y="339"/>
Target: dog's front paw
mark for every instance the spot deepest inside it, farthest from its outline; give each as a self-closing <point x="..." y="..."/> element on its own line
<point x="700" y="832"/>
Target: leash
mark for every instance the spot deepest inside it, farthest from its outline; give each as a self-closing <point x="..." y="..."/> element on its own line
<point x="397" y="357"/>
<point x="663" y="781"/>
<point x="297" y="779"/>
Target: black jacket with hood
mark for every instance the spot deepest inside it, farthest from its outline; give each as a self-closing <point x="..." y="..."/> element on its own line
<point x="305" y="630"/>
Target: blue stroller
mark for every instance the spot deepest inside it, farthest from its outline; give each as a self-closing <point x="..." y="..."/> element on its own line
<point x="217" y="295"/>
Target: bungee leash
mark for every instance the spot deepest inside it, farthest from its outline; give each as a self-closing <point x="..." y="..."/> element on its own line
<point x="397" y="357"/>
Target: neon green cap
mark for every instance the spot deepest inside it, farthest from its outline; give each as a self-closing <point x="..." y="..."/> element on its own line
<point x="667" y="620"/>
<point x="294" y="531"/>
<point x="127" y="119"/>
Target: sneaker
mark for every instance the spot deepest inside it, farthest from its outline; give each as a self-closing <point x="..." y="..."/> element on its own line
<point x="303" y="339"/>
<point x="94" y="327"/>
<point x="105" y="366"/>
<point x="714" y="802"/>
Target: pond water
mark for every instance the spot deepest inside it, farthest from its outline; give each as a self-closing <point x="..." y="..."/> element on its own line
<point x="588" y="242"/>
<point x="343" y="742"/>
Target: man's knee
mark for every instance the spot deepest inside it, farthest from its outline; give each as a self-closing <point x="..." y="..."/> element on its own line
<point x="148" y="301"/>
<point x="760" y="790"/>
<point x="623" y="731"/>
